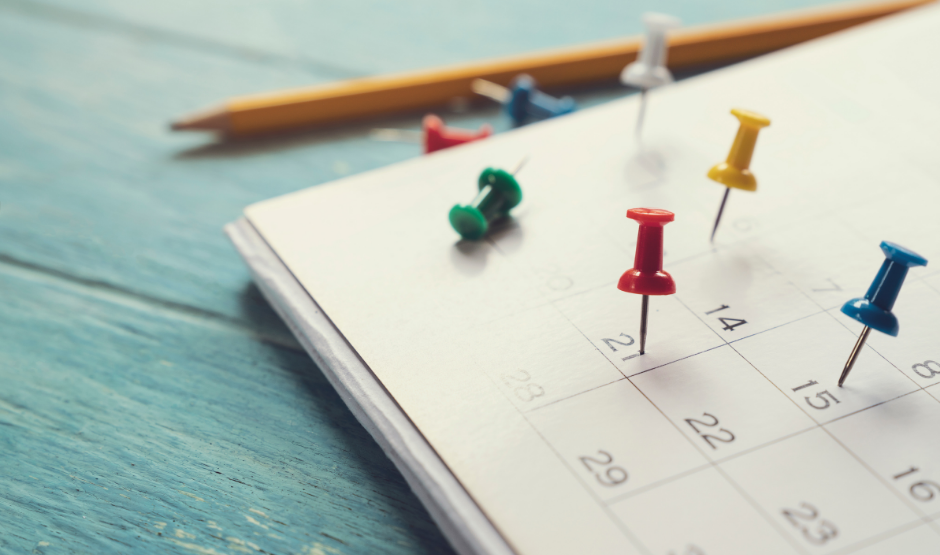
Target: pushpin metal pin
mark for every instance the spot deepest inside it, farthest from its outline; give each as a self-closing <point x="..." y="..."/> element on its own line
<point x="649" y="70"/>
<point x="874" y="309"/>
<point x="435" y="135"/>
<point x="647" y="276"/>
<point x="523" y="100"/>
<point x="735" y="170"/>
<point x="498" y="193"/>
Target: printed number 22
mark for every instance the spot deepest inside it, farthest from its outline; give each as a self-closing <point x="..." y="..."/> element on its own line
<point x="708" y="437"/>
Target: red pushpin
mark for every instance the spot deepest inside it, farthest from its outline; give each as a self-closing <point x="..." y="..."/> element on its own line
<point x="647" y="276"/>
<point x="434" y="134"/>
<point x="438" y="136"/>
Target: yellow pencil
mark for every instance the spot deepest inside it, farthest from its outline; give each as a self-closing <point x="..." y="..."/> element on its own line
<point x="373" y="96"/>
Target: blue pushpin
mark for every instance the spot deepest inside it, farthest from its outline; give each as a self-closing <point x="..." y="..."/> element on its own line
<point x="523" y="100"/>
<point x="874" y="309"/>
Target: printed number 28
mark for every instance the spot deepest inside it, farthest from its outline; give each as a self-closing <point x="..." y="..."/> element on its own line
<point x="519" y="382"/>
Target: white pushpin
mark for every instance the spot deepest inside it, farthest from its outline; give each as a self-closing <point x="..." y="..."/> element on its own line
<point x="649" y="70"/>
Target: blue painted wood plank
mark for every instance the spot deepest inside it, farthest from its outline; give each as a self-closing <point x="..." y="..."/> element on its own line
<point x="376" y="36"/>
<point x="128" y="426"/>
<point x="92" y="184"/>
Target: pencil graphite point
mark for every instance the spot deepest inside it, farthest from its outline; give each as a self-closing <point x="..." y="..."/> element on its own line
<point x="209" y="120"/>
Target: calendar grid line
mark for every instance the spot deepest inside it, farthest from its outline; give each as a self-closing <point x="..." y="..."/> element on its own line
<point x="773" y="523"/>
<point x="861" y="410"/>
<point x="840" y="322"/>
<point x="849" y="451"/>
<point x="878" y="477"/>
<point x="775" y="327"/>
<point x="919" y="386"/>
<point x="688" y="258"/>
<point x="591" y="343"/>
<point x="932" y="525"/>
<point x="718" y="462"/>
<point x="728" y="458"/>
<point x="930" y="285"/>
<point x="799" y="289"/>
<point x="578" y="394"/>
<point x="649" y="487"/>
<point x="572" y="396"/>
<point x="789" y="399"/>
<point x="760" y="510"/>
<point x="675" y="361"/>
<point x="616" y="521"/>
<point x="701" y="452"/>
<point x="711" y="463"/>
<point x="699" y="318"/>
<point x="625" y="377"/>
<point x="888" y="534"/>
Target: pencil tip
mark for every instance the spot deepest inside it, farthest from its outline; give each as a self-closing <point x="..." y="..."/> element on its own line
<point x="212" y="120"/>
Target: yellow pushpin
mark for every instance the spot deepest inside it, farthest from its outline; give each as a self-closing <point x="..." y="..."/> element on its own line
<point x="734" y="171"/>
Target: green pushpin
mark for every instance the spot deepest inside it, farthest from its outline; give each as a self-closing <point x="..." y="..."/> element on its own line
<point x="499" y="193"/>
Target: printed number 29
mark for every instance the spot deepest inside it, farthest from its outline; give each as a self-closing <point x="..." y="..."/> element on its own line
<point x="611" y="475"/>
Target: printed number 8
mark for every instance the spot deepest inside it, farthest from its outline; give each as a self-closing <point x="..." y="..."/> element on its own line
<point x="528" y="392"/>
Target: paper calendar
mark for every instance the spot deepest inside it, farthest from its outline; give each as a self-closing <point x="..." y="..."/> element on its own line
<point x="503" y="376"/>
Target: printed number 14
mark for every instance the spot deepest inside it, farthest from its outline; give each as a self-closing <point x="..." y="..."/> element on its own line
<point x="728" y="323"/>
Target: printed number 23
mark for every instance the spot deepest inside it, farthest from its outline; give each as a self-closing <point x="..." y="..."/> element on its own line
<point x="816" y="532"/>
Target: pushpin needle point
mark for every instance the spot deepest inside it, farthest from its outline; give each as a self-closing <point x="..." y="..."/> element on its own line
<point x="520" y="165"/>
<point x="649" y="70"/>
<point x="435" y="135"/>
<point x="522" y="100"/>
<point x="721" y="209"/>
<point x="396" y="135"/>
<point x="735" y="170"/>
<point x="644" y="312"/>
<point x="874" y="309"/>
<point x="854" y="354"/>
<point x="641" y="115"/>
<point x="647" y="276"/>
<point x="489" y="89"/>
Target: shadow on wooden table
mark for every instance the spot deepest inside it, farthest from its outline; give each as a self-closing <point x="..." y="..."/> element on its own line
<point x="368" y="473"/>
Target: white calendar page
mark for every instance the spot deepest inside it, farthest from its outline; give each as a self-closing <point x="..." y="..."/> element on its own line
<point x="516" y="357"/>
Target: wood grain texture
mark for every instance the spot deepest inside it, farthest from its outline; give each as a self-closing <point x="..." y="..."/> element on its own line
<point x="367" y="37"/>
<point x="126" y="426"/>
<point x="94" y="185"/>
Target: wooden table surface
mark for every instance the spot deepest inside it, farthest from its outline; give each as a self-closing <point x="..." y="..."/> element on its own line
<point x="150" y="400"/>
